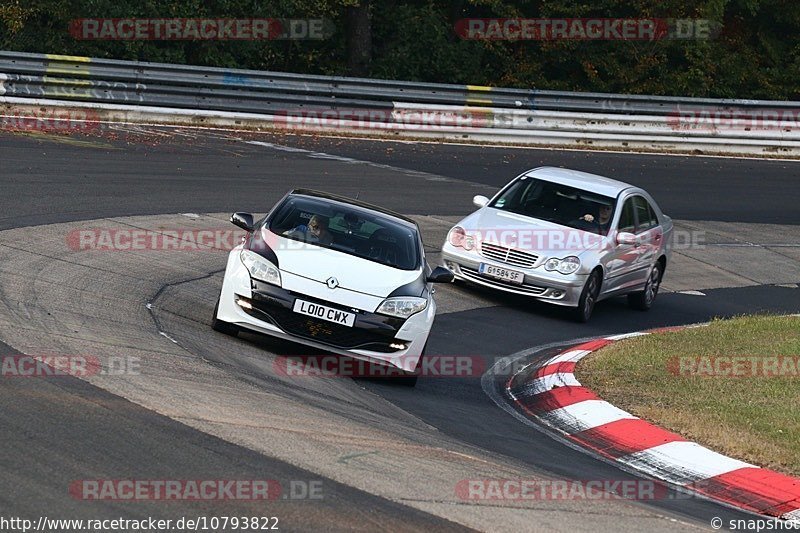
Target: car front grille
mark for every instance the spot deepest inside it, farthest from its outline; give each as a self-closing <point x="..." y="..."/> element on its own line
<point x="323" y="331"/>
<point x="473" y="274"/>
<point x="507" y="255"/>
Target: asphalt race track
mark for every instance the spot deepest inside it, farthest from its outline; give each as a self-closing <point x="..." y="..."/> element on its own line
<point x="153" y="174"/>
<point x="65" y="429"/>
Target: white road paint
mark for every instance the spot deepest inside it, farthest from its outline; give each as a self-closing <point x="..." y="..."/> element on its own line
<point x="349" y="160"/>
<point x="625" y="336"/>
<point x="546" y="383"/>
<point x="793" y="517"/>
<point x="682" y="462"/>
<point x="587" y="414"/>
<point x="279" y="147"/>
<point x="163" y="334"/>
<point x="572" y="356"/>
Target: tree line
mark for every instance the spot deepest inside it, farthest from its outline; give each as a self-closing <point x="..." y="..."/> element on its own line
<point x="753" y="52"/>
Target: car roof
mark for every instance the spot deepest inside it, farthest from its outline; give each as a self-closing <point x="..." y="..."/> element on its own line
<point x="580" y="180"/>
<point x="351" y="201"/>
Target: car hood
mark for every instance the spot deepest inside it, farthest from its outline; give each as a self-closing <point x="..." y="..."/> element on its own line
<point x="530" y="234"/>
<point x="351" y="272"/>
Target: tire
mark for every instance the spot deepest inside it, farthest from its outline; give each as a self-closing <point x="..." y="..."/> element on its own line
<point x="643" y="300"/>
<point x="409" y="380"/>
<point x="223" y="327"/>
<point x="588" y="298"/>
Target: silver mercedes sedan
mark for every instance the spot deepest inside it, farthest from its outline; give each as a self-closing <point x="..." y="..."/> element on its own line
<point x="565" y="237"/>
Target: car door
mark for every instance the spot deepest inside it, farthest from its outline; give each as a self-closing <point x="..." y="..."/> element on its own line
<point x="649" y="234"/>
<point x="622" y="261"/>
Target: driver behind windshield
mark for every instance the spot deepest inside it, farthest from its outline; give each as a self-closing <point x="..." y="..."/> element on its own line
<point x="315" y="231"/>
<point x="599" y="224"/>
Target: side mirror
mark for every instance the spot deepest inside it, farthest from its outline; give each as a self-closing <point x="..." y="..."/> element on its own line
<point x="243" y="220"/>
<point x="624" y="237"/>
<point x="441" y="275"/>
<point x="480" y="201"/>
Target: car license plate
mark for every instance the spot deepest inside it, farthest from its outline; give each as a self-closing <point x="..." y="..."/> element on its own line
<point x="323" y="312"/>
<point x="512" y="276"/>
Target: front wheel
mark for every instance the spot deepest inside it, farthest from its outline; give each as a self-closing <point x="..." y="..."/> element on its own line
<point x="408" y="380"/>
<point x="643" y="300"/>
<point x="223" y="327"/>
<point x="588" y="298"/>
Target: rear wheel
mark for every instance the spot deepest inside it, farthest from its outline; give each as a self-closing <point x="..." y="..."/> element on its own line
<point x="588" y="298"/>
<point x="643" y="300"/>
<point x="223" y="327"/>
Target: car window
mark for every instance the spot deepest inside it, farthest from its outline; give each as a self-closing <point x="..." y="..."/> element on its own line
<point x="560" y="204"/>
<point x="349" y="229"/>
<point x="646" y="218"/>
<point x="653" y="217"/>
<point x="627" y="222"/>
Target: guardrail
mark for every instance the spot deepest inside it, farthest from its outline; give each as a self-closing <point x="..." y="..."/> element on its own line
<point x="179" y="94"/>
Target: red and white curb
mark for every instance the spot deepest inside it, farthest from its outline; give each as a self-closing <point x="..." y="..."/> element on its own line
<point x="553" y="396"/>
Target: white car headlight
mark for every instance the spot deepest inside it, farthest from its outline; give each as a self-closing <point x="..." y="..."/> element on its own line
<point x="568" y="265"/>
<point x="260" y="268"/>
<point x="402" y="306"/>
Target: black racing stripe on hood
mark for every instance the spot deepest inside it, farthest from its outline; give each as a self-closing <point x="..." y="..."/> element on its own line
<point x="255" y="243"/>
<point x="415" y="288"/>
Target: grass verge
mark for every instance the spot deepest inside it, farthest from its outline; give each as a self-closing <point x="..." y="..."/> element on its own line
<point x="682" y="381"/>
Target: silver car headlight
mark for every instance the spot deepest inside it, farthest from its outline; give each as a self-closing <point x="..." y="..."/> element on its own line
<point x="402" y="306"/>
<point x="459" y="238"/>
<point x="568" y="265"/>
<point x="260" y="268"/>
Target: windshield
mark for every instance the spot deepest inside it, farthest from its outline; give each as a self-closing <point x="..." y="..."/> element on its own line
<point x="348" y="229"/>
<point x="560" y="204"/>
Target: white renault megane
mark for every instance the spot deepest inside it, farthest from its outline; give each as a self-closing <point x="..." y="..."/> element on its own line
<point x="332" y="273"/>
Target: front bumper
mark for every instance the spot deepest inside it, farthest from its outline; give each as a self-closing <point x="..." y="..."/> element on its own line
<point x="550" y="287"/>
<point x="371" y="331"/>
<point x="268" y="309"/>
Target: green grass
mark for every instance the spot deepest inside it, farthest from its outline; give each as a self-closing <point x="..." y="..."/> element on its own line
<point x="755" y="419"/>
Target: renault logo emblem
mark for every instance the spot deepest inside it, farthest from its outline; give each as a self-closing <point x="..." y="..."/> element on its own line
<point x="332" y="283"/>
